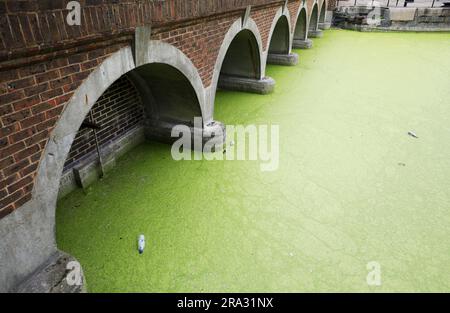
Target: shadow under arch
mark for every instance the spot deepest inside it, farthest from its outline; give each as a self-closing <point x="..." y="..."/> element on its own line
<point x="322" y="14"/>
<point x="168" y="93"/>
<point x="314" y="18"/>
<point x="280" y="39"/>
<point x="242" y="58"/>
<point x="301" y="27"/>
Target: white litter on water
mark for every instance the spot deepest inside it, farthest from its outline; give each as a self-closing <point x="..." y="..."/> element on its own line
<point x="141" y="244"/>
<point x="413" y="134"/>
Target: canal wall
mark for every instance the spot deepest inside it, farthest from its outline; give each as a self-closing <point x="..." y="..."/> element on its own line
<point x="369" y="18"/>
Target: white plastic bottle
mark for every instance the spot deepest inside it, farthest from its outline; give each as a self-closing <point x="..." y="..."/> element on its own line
<point x="141" y="244"/>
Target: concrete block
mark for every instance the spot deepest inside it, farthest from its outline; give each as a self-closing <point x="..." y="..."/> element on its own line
<point x="315" y="33"/>
<point x="88" y="170"/>
<point x="402" y="14"/>
<point x="212" y="133"/>
<point x="259" y="86"/>
<point x="52" y="278"/>
<point x="302" y="44"/>
<point x="283" y="59"/>
<point x="324" y="26"/>
<point x="87" y="174"/>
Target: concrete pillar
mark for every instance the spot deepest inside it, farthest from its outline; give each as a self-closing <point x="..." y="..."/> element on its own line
<point x="324" y="26"/>
<point x="302" y="44"/>
<point x="315" y="33"/>
<point x="259" y="86"/>
<point x="212" y="133"/>
<point x="283" y="59"/>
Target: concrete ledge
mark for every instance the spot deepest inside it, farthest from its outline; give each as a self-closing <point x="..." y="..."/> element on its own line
<point x="402" y="14"/>
<point x="259" y="86"/>
<point x="315" y="33"/>
<point x="52" y="278"/>
<point x="213" y="133"/>
<point x="87" y="171"/>
<point x="283" y="59"/>
<point x="396" y="28"/>
<point x="302" y="44"/>
<point x="324" y="26"/>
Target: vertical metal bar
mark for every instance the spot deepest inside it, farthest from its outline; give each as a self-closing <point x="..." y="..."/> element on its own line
<point x="432" y="5"/>
<point x="97" y="146"/>
<point x="355" y="3"/>
<point x="396" y="3"/>
<point x="388" y="3"/>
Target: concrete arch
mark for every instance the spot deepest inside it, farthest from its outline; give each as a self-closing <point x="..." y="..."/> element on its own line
<point x="32" y="227"/>
<point x="282" y="16"/>
<point x="314" y="18"/>
<point x="302" y="24"/>
<point x="234" y="30"/>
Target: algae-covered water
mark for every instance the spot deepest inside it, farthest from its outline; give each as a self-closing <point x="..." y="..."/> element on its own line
<point x="352" y="186"/>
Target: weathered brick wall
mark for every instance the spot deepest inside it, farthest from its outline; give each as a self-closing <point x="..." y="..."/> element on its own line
<point x="31" y="100"/>
<point x="43" y="61"/>
<point x="293" y="8"/>
<point x="331" y="5"/>
<point x="200" y="42"/>
<point x="264" y="19"/>
<point x="117" y="111"/>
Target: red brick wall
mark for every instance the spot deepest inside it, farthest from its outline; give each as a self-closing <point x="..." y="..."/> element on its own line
<point x="31" y="100"/>
<point x="117" y="111"/>
<point x="200" y="42"/>
<point x="293" y="7"/>
<point x="264" y="19"/>
<point x="43" y="60"/>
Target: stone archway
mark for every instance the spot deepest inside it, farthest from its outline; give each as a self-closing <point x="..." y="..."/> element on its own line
<point x="301" y="40"/>
<point x="254" y="80"/>
<point x="313" y="29"/>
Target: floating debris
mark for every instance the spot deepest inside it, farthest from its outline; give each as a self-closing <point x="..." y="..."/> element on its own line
<point x="141" y="244"/>
<point x="413" y="134"/>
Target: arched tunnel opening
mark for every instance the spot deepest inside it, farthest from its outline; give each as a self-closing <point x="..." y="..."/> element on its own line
<point x="313" y="23"/>
<point x="241" y="66"/>
<point x="142" y="104"/>
<point x="323" y="11"/>
<point x="242" y="58"/>
<point x="300" y="32"/>
<point x="169" y="96"/>
<point x="279" y="43"/>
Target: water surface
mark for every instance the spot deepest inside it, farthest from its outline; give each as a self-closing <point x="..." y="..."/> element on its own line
<point x="352" y="186"/>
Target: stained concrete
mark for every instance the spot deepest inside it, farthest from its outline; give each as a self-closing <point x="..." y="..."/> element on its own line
<point x="88" y="169"/>
<point x="283" y="59"/>
<point x="394" y="19"/>
<point x="259" y="86"/>
<point x="302" y="44"/>
<point x="53" y="278"/>
<point x="315" y="33"/>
